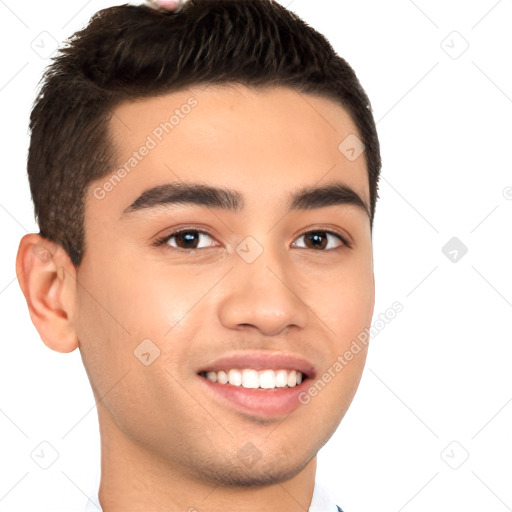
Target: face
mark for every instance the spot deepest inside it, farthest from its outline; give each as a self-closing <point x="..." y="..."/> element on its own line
<point x="286" y="284"/>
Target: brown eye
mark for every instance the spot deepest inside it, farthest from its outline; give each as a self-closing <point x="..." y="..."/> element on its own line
<point x="189" y="240"/>
<point x="317" y="240"/>
<point x="186" y="239"/>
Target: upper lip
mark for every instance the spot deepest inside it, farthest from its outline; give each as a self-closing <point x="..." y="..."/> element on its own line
<point x="261" y="361"/>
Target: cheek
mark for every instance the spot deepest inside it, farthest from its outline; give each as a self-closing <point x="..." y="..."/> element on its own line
<point x="138" y="297"/>
<point x="161" y="303"/>
<point x="350" y="310"/>
<point x="345" y="300"/>
<point x="114" y="318"/>
<point x="348" y="305"/>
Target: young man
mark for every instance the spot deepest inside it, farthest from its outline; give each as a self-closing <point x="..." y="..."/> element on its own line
<point x="205" y="185"/>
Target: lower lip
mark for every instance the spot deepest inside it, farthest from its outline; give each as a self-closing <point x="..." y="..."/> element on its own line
<point x="267" y="403"/>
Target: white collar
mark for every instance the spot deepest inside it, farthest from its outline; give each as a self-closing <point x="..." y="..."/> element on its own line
<point x="322" y="500"/>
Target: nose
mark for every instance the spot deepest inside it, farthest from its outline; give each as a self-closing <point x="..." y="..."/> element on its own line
<point x="263" y="295"/>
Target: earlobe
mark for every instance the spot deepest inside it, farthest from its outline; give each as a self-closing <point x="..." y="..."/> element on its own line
<point x="47" y="279"/>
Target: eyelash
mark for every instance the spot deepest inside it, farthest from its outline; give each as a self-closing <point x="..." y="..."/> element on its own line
<point x="163" y="241"/>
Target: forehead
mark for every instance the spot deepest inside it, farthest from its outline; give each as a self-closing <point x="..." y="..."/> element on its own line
<point x="260" y="142"/>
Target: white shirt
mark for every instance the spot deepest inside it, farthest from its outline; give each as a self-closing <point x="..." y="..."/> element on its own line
<point x="322" y="500"/>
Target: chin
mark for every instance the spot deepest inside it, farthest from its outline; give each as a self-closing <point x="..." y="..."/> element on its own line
<point x="256" y="472"/>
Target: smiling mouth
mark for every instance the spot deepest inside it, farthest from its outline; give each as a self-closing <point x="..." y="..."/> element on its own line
<point x="249" y="378"/>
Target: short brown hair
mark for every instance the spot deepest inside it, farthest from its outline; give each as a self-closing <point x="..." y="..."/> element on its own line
<point x="129" y="52"/>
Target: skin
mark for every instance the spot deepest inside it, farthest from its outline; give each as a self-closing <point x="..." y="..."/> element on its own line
<point x="166" y="445"/>
<point x="168" y="5"/>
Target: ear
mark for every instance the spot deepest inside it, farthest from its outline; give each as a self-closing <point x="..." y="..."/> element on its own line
<point x="47" y="278"/>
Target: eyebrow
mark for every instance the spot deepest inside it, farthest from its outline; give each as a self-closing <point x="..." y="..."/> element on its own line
<point x="306" y="198"/>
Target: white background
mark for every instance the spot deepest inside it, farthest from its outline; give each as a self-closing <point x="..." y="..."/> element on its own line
<point x="437" y="387"/>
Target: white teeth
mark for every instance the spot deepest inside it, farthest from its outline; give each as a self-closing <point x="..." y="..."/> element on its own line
<point x="267" y="379"/>
<point x="235" y="377"/>
<point x="250" y="379"/>
<point x="253" y="379"/>
<point x="281" y="378"/>
<point x="292" y="379"/>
